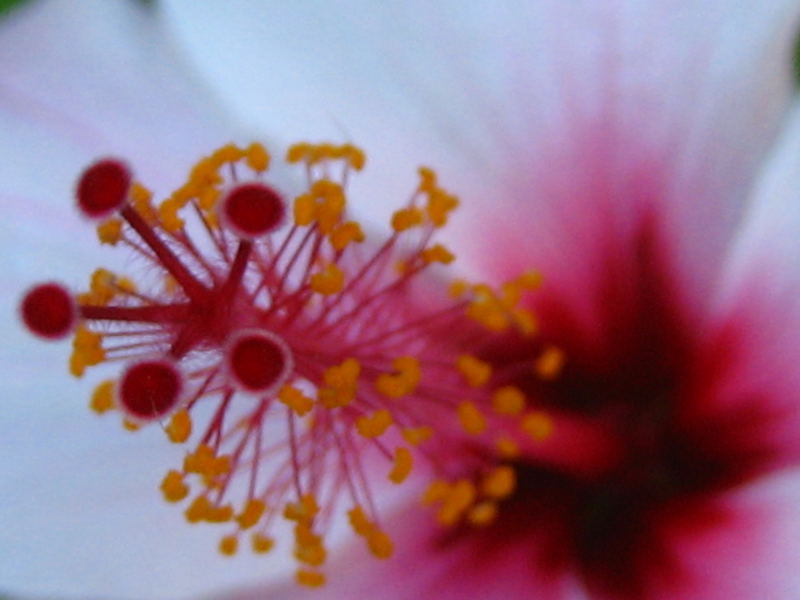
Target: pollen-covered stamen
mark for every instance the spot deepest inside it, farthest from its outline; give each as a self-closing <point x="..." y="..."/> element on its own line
<point x="49" y="311"/>
<point x="150" y="389"/>
<point x="103" y="188"/>
<point x="253" y="210"/>
<point x="259" y="361"/>
<point x="346" y="352"/>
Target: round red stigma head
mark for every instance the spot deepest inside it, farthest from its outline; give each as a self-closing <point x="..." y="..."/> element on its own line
<point x="103" y="188"/>
<point x="259" y="361"/>
<point x="253" y="210"/>
<point x="150" y="389"/>
<point x="49" y="311"/>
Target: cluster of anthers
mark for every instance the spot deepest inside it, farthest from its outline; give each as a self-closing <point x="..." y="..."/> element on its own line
<point x="299" y="346"/>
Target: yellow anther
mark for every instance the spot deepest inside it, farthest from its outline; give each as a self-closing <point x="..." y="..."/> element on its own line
<point x="438" y="253"/>
<point x="500" y="482"/>
<point x="261" y="543"/>
<point x="87" y="350"/>
<point x="403" y="381"/>
<point x="295" y="399"/>
<point x="168" y="215"/>
<point x="331" y="206"/>
<point x="310" y="578"/>
<point x="549" y="363"/>
<point x="489" y="313"/>
<point x="406" y="218"/>
<point x="180" y="427"/>
<point x="101" y="288"/>
<point x="380" y="544"/>
<point x="374" y="425"/>
<point x="345" y="234"/>
<point x="225" y="154"/>
<point x="508" y="400"/>
<point x="482" y="514"/>
<point x="436" y="492"/>
<point x="141" y="199"/>
<point x="440" y="205"/>
<point x="103" y="397"/>
<point x="471" y="419"/>
<point x="341" y="381"/>
<point x="458" y="499"/>
<point x="305" y="210"/>
<point x="257" y="157"/>
<point x="457" y="288"/>
<point x="205" y="462"/>
<point x="220" y="514"/>
<point x="359" y="522"/>
<point x="251" y="514"/>
<point x="303" y="511"/>
<point x="416" y="435"/>
<point x="525" y="321"/>
<point x="228" y="545"/>
<point x="207" y="199"/>
<point x="507" y="447"/>
<point x="297" y="152"/>
<point x="125" y="285"/>
<point x="198" y="510"/>
<point x="130" y="425"/>
<point x="328" y="281"/>
<point x="427" y="179"/>
<point x="403" y="463"/>
<point x="475" y="371"/>
<point x="308" y="546"/>
<point x="355" y="156"/>
<point x="110" y="231"/>
<point x="537" y="424"/>
<point x="173" y="487"/>
<point x="529" y="281"/>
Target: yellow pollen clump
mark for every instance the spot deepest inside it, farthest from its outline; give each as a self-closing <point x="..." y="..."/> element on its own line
<point x="261" y="544"/>
<point x="416" y="435"/>
<point x="295" y="399"/>
<point x="87" y="351"/>
<point x="110" y="231"/>
<point x="549" y="363"/>
<point x="380" y="544"/>
<point x="305" y="210"/>
<point x="403" y="381"/>
<point x="440" y="205"/>
<point x="341" y="382"/>
<point x="537" y="424"/>
<point x="508" y="400"/>
<point x="308" y="546"/>
<point x="507" y="447"/>
<point x="257" y="157"/>
<point x="228" y="545"/>
<point x="130" y="425"/>
<point x="457" y="288"/>
<point x="482" y="514"/>
<point x="251" y="514"/>
<point x="168" y="215"/>
<point x="180" y="427"/>
<point x="403" y="463"/>
<point x="500" y="482"/>
<point x="310" y="578"/>
<point x="103" y="397"/>
<point x="303" y="511"/>
<point x="198" y="509"/>
<point x="345" y="234"/>
<point x="471" y="419"/>
<point x="406" y="218"/>
<point x="141" y="199"/>
<point x="374" y="425"/>
<point x="205" y="462"/>
<point x="458" y="499"/>
<point x="438" y="253"/>
<point x="328" y="281"/>
<point x="475" y="371"/>
<point x="358" y="521"/>
<point x="436" y="492"/>
<point x="173" y="487"/>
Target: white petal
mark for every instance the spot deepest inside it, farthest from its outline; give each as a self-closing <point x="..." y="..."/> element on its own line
<point x="572" y="118"/>
<point x="80" y="512"/>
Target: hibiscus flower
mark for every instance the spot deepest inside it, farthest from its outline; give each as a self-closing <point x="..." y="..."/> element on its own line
<point x="629" y="202"/>
<point x="645" y="158"/>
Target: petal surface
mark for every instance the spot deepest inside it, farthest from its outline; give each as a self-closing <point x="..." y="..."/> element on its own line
<point x="576" y="119"/>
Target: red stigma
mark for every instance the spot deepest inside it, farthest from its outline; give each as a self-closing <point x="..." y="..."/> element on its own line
<point x="258" y="361"/>
<point x="253" y="210"/>
<point x="150" y="389"/>
<point x="48" y="311"/>
<point x="103" y="188"/>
